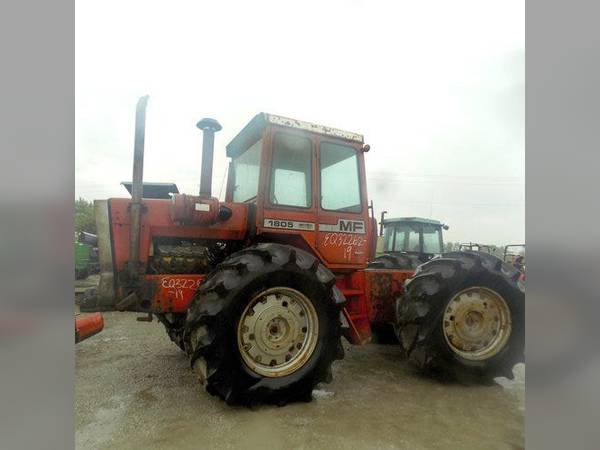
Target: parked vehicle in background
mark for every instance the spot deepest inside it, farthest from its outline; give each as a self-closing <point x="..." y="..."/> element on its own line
<point x="408" y="242"/>
<point x="515" y="254"/>
<point x="475" y="247"/>
<point x="86" y="255"/>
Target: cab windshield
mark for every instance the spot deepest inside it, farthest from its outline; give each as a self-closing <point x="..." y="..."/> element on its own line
<point x="413" y="238"/>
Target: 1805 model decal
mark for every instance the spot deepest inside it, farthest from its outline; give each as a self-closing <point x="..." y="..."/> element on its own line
<point x="342" y="226"/>
<point x="288" y="224"/>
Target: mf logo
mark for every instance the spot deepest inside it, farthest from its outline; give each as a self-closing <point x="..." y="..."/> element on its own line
<point x="351" y="226"/>
<point x="344" y="226"/>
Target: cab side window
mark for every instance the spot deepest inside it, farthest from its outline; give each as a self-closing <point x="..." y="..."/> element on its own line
<point x="246" y="169"/>
<point x="340" y="187"/>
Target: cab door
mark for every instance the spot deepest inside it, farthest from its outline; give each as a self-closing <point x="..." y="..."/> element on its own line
<point x="288" y="204"/>
<point x="343" y="224"/>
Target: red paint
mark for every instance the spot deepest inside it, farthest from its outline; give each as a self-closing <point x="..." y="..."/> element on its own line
<point x="87" y="325"/>
<point x="157" y="221"/>
<point x="383" y="287"/>
<point x="192" y="209"/>
<point x="173" y="293"/>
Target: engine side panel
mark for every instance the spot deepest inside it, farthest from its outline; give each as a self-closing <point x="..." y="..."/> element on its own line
<point x="170" y="273"/>
<point x="157" y="222"/>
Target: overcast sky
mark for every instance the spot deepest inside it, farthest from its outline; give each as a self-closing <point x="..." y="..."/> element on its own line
<point x="436" y="87"/>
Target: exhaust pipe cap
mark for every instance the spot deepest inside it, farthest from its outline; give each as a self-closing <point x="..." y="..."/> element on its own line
<point x="209" y="124"/>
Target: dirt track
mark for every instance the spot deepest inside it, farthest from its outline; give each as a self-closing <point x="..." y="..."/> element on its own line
<point x="134" y="389"/>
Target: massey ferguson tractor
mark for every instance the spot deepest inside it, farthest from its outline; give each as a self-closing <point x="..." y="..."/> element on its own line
<point x="259" y="289"/>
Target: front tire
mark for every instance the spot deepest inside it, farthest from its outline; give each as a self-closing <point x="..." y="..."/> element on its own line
<point x="264" y="327"/>
<point x="463" y="317"/>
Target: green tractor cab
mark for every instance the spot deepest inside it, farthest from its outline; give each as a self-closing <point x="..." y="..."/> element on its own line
<point x="409" y="242"/>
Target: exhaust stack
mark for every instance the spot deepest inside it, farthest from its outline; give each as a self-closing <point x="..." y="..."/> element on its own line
<point x="137" y="188"/>
<point x="209" y="127"/>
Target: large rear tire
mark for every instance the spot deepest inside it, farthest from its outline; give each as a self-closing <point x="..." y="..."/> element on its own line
<point x="264" y="327"/>
<point x="463" y="317"/>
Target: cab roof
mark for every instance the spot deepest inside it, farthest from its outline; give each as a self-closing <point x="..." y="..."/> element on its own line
<point x="253" y="130"/>
<point x="412" y="219"/>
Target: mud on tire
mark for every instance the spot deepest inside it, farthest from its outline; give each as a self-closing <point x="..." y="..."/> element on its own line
<point x="211" y="329"/>
<point x="423" y="313"/>
<point x="174" y="326"/>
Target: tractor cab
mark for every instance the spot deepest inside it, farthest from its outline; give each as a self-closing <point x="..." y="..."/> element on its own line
<point x="305" y="183"/>
<point x="415" y="236"/>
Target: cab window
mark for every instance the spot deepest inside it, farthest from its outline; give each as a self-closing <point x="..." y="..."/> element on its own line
<point x="432" y="239"/>
<point x="246" y="169"/>
<point x="291" y="171"/>
<point x="406" y="239"/>
<point x="388" y="239"/>
<point x="340" y="187"/>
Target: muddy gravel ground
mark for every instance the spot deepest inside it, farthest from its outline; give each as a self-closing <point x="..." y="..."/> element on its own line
<point x="134" y="389"/>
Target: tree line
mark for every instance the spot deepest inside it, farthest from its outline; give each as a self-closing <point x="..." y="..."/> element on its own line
<point x="84" y="216"/>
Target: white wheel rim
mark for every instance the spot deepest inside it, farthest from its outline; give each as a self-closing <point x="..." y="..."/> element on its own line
<point x="277" y="332"/>
<point x="477" y="323"/>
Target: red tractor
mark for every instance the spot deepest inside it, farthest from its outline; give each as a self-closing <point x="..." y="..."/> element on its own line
<point x="259" y="289"/>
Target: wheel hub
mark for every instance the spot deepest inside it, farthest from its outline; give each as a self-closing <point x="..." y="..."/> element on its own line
<point x="477" y="323"/>
<point x="277" y="332"/>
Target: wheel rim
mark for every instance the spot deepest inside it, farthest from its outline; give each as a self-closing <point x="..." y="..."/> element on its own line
<point x="477" y="323"/>
<point x="277" y="332"/>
